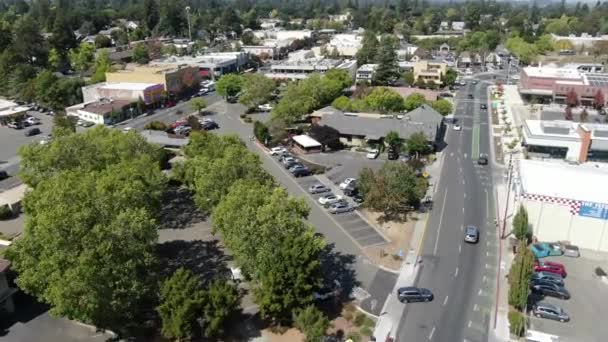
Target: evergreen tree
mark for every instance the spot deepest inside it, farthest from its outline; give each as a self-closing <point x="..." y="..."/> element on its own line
<point x="388" y="69"/>
<point x="150" y="13"/>
<point x="369" y="46"/>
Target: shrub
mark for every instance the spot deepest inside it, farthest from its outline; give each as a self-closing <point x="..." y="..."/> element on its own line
<point x="517" y="323"/>
<point x="5" y="212"/>
<point x="360" y="319"/>
<point x="244" y="115"/>
<point x="366" y="331"/>
<point x="248" y="119"/>
<point x="348" y="316"/>
<point x="354" y="336"/>
<point x="156" y="126"/>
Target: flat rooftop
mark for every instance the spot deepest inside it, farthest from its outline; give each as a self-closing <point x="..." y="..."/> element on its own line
<point x="585" y="182"/>
<point x="128" y="86"/>
<point x="553" y="72"/>
<point x="104" y="107"/>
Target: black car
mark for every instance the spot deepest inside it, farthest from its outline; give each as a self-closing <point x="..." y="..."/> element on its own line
<point x="483" y="106"/>
<point x="3" y="175"/>
<point x="358" y="197"/>
<point x="31" y="132"/>
<point x="470" y="96"/>
<point x="210" y="125"/>
<point x="351" y="190"/>
<point x="414" y="294"/>
<point x="550" y="289"/>
<point x="393" y="154"/>
<point x="483" y="159"/>
<point x="288" y="165"/>
<point x="300" y="171"/>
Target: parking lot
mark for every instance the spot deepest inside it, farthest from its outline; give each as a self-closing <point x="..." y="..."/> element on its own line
<point x="12" y="139"/>
<point x="586" y="307"/>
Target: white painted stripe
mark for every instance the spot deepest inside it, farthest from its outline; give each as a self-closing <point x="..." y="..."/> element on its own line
<point x="456" y="273"/>
<point x="432" y="333"/>
<point x="479" y="292"/>
<point x="445" y="301"/>
<point x="475" y="307"/>
<point x="445" y="196"/>
<point x="465" y="195"/>
<point x="470" y="323"/>
<point x="460" y="248"/>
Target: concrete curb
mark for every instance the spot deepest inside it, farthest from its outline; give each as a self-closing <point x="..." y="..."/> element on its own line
<point x="366" y="312"/>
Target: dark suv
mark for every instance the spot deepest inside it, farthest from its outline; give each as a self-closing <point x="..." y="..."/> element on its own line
<point x="392" y="153"/>
<point x="414" y="294"/>
<point x="550" y="289"/>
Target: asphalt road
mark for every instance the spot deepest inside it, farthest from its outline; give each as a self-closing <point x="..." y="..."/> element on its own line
<point x="462" y="276"/>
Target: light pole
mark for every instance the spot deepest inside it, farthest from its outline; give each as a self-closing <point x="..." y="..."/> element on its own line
<point x="510" y="177"/>
<point x="189" y="29"/>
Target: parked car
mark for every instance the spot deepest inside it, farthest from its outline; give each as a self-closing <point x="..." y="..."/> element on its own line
<point x="329" y="198"/>
<point x="178" y="123"/>
<point x="3" y="175"/>
<point x="551" y="267"/>
<point x="340" y="207"/>
<point x="277" y="150"/>
<point x="284" y="156"/>
<point x="351" y="190"/>
<point x="414" y="294"/>
<point x="547" y="276"/>
<point x="348" y="181"/>
<point x="288" y="159"/>
<point x="208" y="126"/>
<point x="15" y="125"/>
<point x="470" y="96"/>
<point x="456" y="127"/>
<point x="291" y="163"/>
<point x="471" y="234"/>
<point x="265" y="107"/>
<point x="31" y="132"/>
<point x="317" y="188"/>
<point x="550" y="311"/>
<point x="358" y="197"/>
<point x="300" y="171"/>
<point x="182" y="130"/>
<point x="32" y="120"/>
<point x="372" y="154"/>
<point x="483" y="106"/>
<point x="571" y="251"/>
<point x="483" y="159"/>
<point x="543" y="250"/>
<point x="392" y="153"/>
<point x="546" y="288"/>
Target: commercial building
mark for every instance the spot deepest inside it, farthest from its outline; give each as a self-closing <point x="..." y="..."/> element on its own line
<point x="553" y="83"/>
<point x="575" y="211"/>
<point x="366" y="73"/>
<point x="150" y="93"/>
<point x="301" y="68"/>
<point x="9" y="111"/>
<point x="576" y="142"/>
<point x="103" y="111"/>
<point x="211" y="65"/>
<point x="358" y="129"/>
<point x="283" y="34"/>
<point x="430" y="71"/>
<point x="346" y="45"/>
<point x="585" y="40"/>
<point x="174" y="78"/>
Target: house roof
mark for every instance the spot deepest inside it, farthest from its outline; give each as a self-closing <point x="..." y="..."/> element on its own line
<point x="305" y="141"/>
<point x="375" y="126"/>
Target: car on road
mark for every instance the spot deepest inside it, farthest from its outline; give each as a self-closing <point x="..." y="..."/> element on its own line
<point x="410" y="294"/>
<point x="277" y="150"/>
<point x="546" y="288"/>
<point x="471" y="234"/>
<point x="210" y="125"/>
<point x="571" y="251"/>
<point x="483" y="159"/>
<point x="372" y="154"/>
<point x="32" y="131"/>
<point x="340" y="207"/>
<point x="551" y="267"/>
<point x="265" y="107"/>
<point x="483" y="106"/>
<point x="550" y="311"/>
<point x="470" y="96"/>
<point x="347" y="182"/>
<point x="317" y="188"/>
<point x="547" y="276"/>
<point x="300" y="171"/>
<point x="456" y="127"/>
<point x="329" y="198"/>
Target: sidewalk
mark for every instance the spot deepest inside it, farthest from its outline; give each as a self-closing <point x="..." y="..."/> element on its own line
<point x="392" y="311"/>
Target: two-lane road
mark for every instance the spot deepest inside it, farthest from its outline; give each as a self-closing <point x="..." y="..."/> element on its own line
<point x="459" y="274"/>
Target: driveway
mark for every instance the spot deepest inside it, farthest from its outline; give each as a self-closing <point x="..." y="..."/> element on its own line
<point x="586" y="305"/>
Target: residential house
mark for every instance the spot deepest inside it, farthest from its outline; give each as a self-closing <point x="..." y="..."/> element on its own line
<point x="428" y="70"/>
<point x="366" y="73"/>
<point x="458" y="25"/>
<point x="421" y="54"/>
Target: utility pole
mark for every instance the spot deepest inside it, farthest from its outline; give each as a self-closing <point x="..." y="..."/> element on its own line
<point x="189" y="28"/>
<point x="510" y="177"/>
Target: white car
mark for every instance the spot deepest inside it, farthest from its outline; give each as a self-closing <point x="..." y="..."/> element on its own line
<point x="277" y="150"/>
<point x="127" y="129"/>
<point x="265" y="107"/>
<point x="456" y="127"/>
<point x="372" y="154"/>
<point x="329" y="199"/>
<point x="32" y="120"/>
<point x="346" y="183"/>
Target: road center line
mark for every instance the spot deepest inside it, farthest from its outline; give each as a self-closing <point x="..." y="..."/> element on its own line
<point x="456" y="273"/>
<point x="432" y="333"/>
<point x="465" y="195"/>
<point x="460" y="248"/>
<point x="440" y="221"/>
<point x="445" y="301"/>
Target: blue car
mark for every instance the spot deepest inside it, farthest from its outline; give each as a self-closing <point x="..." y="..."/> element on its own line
<point x="540" y="250"/>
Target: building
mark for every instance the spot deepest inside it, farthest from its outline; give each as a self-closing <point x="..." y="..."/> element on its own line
<point x="420" y="55"/>
<point x="301" y="68"/>
<point x="211" y="65"/>
<point x="150" y="93"/>
<point x="6" y="292"/>
<point x="270" y="23"/>
<point x="175" y="79"/>
<point x="366" y="73"/>
<point x="346" y="45"/>
<point x="583" y="41"/>
<point x="282" y="34"/>
<point x="576" y="142"/>
<point x="305" y="144"/>
<point x="430" y="71"/>
<point x="340" y="17"/>
<point x="575" y="211"/>
<point x="9" y="111"/>
<point x="358" y="129"/>
<point x="103" y="111"/>
<point x="553" y="83"/>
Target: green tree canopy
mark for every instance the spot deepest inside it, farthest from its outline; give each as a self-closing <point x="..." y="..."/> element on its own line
<point x="102" y="65"/>
<point x="393" y="139"/>
<point x="385" y="100"/>
<point x="229" y="85"/>
<point x="140" y="54"/>
<point x="198" y="104"/>
<point x="257" y="89"/>
<point x="369" y="47"/>
<point x="83" y="57"/>
<point x="417" y="144"/>
<point x="312" y="323"/>
<point x="221" y="300"/>
<point x="386" y="58"/>
<point x="414" y="101"/>
<point x="443" y="106"/>
<point x="521" y="228"/>
<point x="408" y="78"/>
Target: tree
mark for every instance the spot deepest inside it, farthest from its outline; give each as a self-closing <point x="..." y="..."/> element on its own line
<point x="544" y="43"/>
<point x="312" y="323"/>
<point x="449" y="79"/>
<point x="520" y="275"/>
<point x="64" y="125"/>
<point x="229" y="85"/>
<point x="369" y="46"/>
<point x="327" y="136"/>
<point x="472" y="15"/>
<point x="82" y="58"/>
<point x="181" y="299"/>
<point x="443" y="106"/>
<point x="102" y="65"/>
<point x="261" y="132"/>
<point x="393" y="139"/>
<point x="525" y="51"/>
<point x="572" y="98"/>
<point x="198" y="104"/>
<point x="256" y="90"/>
<point x="54" y="59"/>
<point x="220" y="301"/>
<point x="520" y="224"/>
<point x="248" y="38"/>
<point x="563" y="44"/>
<point x="28" y="44"/>
<point x="408" y="78"/>
<point x="140" y="54"/>
<point x="342" y="103"/>
<point x="387" y="70"/>
<point x="62" y="35"/>
<point x="392" y="190"/>
<point x="385" y="100"/>
<point x="151" y="14"/>
<point x="342" y="77"/>
<point x="417" y="144"/>
<point x="598" y="100"/>
<point x="102" y="41"/>
<point x="414" y="101"/>
<point x="568" y="113"/>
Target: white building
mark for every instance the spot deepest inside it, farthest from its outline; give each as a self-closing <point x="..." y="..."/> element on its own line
<point x="575" y="211"/>
<point x="346" y="45"/>
<point x="269" y="23"/>
<point x="210" y="65"/>
<point x="301" y="68"/>
<point x="148" y="92"/>
<point x="366" y="72"/>
<point x="583" y="41"/>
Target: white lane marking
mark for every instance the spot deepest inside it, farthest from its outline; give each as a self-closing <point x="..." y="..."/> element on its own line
<point x="445" y="301"/>
<point x="461" y="227"/>
<point x="432" y="332"/>
<point x="470" y="323"/>
<point x="440" y="221"/>
<point x="465" y="155"/>
<point x="464" y="182"/>
<point x="463" y="210"/>
<point x="488" y="266"/>
<point x="465" y="195"/>
<point x="460" y="170"/>
<point x="460" y="248"/>
<point x="484" y="279"/>
<point x="456" y="273"/>
<point x="487" y="253"/>
<point x="475" y="307"/>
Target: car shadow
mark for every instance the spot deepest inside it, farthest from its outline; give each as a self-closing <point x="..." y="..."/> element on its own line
<point x="178" y="210"/>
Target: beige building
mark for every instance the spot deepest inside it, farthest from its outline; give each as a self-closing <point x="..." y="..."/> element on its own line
<point x="429" y="71"/>
<point x="175" y="79"/>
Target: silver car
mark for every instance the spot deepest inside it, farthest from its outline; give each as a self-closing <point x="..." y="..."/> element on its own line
<point x="340" y="207"/>
<point x="317" y="188"/>
<point x="550" y="311"/>
<point x="471" y="234"/>
<point x="571" y="251"/>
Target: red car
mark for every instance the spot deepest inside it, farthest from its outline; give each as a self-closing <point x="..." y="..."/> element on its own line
<point x="179" y="123"/>
<point x="551" y="267"/>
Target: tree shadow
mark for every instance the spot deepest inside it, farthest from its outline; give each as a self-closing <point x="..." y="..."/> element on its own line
<point x="27" y="308"/>
<point x="336" y="266"/>
<point x="203" y="258"/>
<point x="246" y="327"/>
<point x="178" y="210"/>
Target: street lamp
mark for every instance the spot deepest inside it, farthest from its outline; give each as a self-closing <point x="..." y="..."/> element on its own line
<point x="189" y="29"/>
